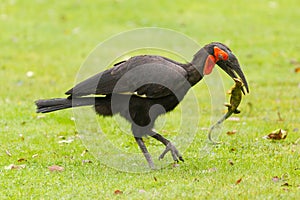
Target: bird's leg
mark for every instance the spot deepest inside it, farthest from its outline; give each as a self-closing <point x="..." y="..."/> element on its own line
<point x="145" y="151"/>
<point x="169" y="147"/>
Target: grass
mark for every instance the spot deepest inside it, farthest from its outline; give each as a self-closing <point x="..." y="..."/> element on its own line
<point x="52" y="39"/>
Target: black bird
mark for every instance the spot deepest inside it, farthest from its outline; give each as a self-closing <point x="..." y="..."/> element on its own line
<point x="144" y="87"/>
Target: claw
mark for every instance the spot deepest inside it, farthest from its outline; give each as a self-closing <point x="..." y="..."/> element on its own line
<point x="175" y="153"/>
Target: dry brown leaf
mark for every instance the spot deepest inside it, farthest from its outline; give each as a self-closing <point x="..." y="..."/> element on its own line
<point x="238" y="181"/>
<point x="286" y="184"/>
<point x="297" y="70"/>
<point x="296" y="64"/>
<point x="278" y="134"/>
<point x="22" y="160"/>
<point x="231" y="132"/>
<point x="116" y="192"/>
<point x="57" y="168"/>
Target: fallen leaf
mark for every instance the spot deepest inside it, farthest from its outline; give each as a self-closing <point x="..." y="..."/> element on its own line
<point x="116" y="192"/>
<point x="286" y="184"/>
<point x="297" y="69"/>
<point x="238" y="181"/>
<point x="231" y="132"/>
<point x="13" y="166"/>
<point x="8" y="153"/>
<point x="142" y="191"/>
<point x="278" y="134"/>
<point x="56" y="168"/>
<point x="22" y="159"/>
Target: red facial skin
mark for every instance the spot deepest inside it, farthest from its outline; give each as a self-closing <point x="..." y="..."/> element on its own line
<point x="211" y="60"/>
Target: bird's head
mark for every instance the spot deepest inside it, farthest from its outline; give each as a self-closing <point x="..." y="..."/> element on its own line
<point x="220" y="54"/>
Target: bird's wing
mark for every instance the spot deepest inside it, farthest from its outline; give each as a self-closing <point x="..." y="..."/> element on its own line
<point x="152" y="76"/>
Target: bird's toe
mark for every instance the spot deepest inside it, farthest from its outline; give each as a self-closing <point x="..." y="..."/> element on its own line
<point x="174" y="152"/>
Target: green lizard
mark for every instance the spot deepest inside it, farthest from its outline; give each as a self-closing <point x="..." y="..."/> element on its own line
<point x="235" y="100"/>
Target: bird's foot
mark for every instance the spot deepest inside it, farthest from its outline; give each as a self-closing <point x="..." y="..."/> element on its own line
<point x="175" y="153"/>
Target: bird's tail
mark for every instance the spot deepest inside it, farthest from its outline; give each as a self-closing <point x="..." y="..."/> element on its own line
<point x="50" y="105"/>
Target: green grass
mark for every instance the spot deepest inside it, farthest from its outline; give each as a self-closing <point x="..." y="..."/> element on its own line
<point x="52" y="39"/>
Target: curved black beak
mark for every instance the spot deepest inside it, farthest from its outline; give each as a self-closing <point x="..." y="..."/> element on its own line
<point x="232" y="67"/>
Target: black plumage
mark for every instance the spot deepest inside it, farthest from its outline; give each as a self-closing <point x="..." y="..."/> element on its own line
<point x="144" y="87"/>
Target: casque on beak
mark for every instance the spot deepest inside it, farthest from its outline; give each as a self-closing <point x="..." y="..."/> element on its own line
<point x="232" y="67"/>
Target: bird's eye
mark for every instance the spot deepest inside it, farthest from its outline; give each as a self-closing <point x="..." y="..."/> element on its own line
<point x="220" y="54"/>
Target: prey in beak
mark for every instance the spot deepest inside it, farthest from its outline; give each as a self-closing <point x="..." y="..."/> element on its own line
<point x="220" y="54"/>
<point x="232" y="67"/>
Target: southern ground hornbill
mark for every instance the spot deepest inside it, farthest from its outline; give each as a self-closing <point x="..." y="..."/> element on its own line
<point x="133" y="89"/>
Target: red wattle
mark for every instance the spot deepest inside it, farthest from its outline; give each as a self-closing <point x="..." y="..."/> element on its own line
<point x="209" y="65"/>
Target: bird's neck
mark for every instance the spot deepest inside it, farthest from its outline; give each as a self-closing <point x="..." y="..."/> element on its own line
<point x="194" y="75"/>
<point x="199" y="60"/>
<point x="196" y="67"/>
